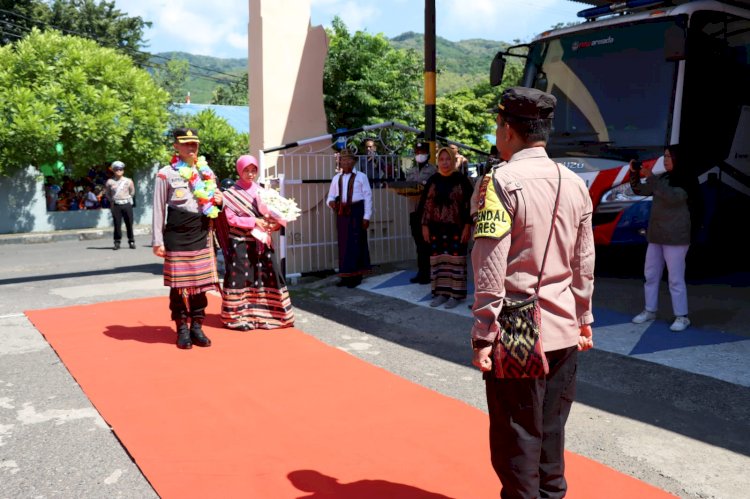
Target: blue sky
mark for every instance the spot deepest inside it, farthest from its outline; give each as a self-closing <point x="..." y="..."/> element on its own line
<point x="219" y="27"/>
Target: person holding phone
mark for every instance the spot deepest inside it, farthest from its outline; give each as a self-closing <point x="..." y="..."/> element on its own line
<point x="668" y="234"/>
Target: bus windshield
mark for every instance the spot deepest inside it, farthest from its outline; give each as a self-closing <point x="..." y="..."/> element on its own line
<point x="614" y="90"/>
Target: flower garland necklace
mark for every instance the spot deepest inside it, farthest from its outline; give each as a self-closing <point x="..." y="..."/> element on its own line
<point x="202" y="183"/>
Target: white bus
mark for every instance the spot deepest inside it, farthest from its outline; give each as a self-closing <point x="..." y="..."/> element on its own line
<point x="636" y="76"/>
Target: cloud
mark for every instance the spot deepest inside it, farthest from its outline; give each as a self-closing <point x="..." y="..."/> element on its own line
<point x="355" y="14"/>
<point x="209" y="28"/>
<point x="500" y="20"/>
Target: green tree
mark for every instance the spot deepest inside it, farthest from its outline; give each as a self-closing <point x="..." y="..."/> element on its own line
<point x="18" y="17"/>
<point x="462" y="115"/>
<point x="221" y="144"/>
<point x="172" y="77"/>
<point x="91" y="99"/>
<point x="366" y="80"/>
<point x="100" y="21"/>
<point x="232" y="94"/>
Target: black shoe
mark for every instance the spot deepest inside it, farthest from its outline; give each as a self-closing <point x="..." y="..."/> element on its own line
<point x="183" y="335"/>
<point x="354" y="282"/>
<point x="117" y="245"/>
<point x="420" y="279"/>
<point x="131" y="244"/>
<point x="197" y="336"/>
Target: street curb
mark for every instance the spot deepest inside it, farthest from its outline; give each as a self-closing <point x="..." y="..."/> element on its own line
<point x="67" y="235"/>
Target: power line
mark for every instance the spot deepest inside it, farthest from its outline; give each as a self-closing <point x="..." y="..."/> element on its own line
<point x="131" y="50"/>
<point x="223" y="81"/>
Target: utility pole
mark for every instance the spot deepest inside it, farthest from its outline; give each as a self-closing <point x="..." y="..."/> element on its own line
<point x="430" y="84"/>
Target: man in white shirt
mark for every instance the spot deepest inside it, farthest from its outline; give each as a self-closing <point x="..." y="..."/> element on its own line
<point x="350" y="198"/>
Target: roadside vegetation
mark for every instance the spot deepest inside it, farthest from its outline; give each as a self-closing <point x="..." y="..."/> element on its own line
<point x="78" y="87"/>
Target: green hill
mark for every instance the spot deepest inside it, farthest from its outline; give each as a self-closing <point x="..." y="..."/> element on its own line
<point x="460" y="64"/>
<point x="205" y="72"/>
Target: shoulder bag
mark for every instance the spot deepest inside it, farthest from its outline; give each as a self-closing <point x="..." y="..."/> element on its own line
<point x="518" y="351"/>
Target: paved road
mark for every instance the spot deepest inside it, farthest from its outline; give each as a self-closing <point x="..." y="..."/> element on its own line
<point x="685" y="432"/>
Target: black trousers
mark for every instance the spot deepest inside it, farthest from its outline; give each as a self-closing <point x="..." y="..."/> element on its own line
<point x="527" y="428"/>
<point x="423" y="249"/>
<point x="197" y="305"/>
<point x="122" y="212"/>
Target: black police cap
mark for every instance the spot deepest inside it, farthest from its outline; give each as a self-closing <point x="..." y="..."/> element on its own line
<point x="526" y="104"/>
<point x="185" y="135"/>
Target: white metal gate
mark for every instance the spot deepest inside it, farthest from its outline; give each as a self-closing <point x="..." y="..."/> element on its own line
<point x="311" y="240"/>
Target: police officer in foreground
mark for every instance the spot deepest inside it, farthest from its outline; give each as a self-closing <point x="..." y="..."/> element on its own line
<point x="528" y="415"/>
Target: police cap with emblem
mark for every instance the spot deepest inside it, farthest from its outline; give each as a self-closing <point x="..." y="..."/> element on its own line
<point x="523" y="103"/>
<point x="185" y="135"/>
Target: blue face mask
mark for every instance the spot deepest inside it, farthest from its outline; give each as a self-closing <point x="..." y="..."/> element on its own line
<point x="421" y="158"/>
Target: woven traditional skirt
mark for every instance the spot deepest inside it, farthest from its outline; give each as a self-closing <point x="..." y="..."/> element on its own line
<point x="448" y="260"/>
<point x="255" y="295"/>
<point x="190" y="262"/>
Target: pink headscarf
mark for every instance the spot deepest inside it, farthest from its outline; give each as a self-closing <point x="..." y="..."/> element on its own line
<point x="250" y="187"/>
<point x="244" y="161"/>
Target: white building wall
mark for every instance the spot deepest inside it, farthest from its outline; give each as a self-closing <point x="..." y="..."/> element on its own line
<point x="23" y="206"/>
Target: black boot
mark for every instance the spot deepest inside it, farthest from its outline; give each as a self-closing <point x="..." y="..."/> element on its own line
<point x="197" y="335"/>
<point x="116" y="246"/>
<point x="183" y="334"/>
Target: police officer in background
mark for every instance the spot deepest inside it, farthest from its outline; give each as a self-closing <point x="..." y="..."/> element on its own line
<point x="528" y="415"/>
<point x="421" y="172"/>
<point x="120" y="191"/>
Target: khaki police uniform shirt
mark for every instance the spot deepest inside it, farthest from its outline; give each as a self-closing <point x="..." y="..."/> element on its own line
<point x="420" y="174"/>
<point x="510" y="264"/>
<point x="170" y="190"/>
<point x="119" y="191"/>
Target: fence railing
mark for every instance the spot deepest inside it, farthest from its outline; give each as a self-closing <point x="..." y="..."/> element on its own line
<point x="310" y="242"/>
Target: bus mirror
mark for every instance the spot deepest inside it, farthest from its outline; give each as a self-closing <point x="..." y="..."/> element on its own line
<point x="674" y="44"/>
<point x="540" y="81"/>
<point x="497" y="69"/>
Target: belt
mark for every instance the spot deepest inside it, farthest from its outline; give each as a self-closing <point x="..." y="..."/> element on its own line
<point x="122" y="201"/>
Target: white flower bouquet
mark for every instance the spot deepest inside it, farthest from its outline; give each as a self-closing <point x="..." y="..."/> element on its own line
<point x="282" y="210"/>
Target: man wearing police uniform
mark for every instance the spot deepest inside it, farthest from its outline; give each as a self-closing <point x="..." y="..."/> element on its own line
<point x="182" y="235"/>
<point x="513" y="220"/>
<point x="420" y="174"/>
<point x="120" y="191"/>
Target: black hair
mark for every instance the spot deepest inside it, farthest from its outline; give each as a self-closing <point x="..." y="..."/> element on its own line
<point x="531" y="130"/>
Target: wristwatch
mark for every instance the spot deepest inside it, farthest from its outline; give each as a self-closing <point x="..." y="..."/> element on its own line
<point x="479" y="344"/>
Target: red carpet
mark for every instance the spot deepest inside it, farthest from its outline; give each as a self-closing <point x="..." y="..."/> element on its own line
<point x="279" y="414"/>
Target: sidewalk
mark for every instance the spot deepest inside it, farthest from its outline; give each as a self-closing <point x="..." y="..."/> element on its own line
<point x="706" y="348"/>
<point x="67" y="235"/>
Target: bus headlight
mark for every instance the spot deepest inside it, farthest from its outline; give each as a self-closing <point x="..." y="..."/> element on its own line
<point x="621" y="194"/>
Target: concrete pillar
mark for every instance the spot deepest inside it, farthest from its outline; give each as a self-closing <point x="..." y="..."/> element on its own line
<point x="285" y="68"/>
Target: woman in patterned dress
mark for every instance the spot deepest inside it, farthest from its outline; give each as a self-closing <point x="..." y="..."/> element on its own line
<point x="446" y="226"/>
<point x="255" y="295"/>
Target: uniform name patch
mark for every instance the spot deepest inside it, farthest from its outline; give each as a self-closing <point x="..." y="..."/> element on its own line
<point x="492" y="219"/>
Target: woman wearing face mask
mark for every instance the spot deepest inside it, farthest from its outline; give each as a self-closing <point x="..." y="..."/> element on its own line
<point x="254" y="294"/>
<point x="446" y="227"/>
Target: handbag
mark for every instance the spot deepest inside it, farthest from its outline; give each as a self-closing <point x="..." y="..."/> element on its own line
<point x="518" y="351"/>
